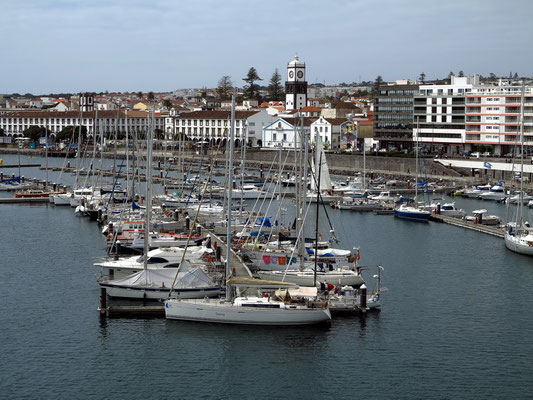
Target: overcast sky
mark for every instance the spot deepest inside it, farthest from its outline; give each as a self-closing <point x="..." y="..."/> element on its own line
<point x="132" y="45"/>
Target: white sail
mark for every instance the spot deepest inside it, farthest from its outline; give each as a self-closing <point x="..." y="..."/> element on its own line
<point x="321" y="165"/>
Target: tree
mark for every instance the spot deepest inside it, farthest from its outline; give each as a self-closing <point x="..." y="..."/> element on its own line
<point x="275" y="90"/>
<point x="35" y="132"/>
<point x="450" y="75"/>
<point x="71" y="132"/>
<point x="159" y="134"/>
<point x="251" y="91"/>
<point x="167" y="104"/>
<point x="461" y="74"/>
<point x="151" y="96"/>
<point x="225" y="85"/>
<point x="422" y="77"/>
<point x="140" y="95"/>
<point x="492" y="76"/>
<point x="377" y="83"/>
<point x="515" y="76"/>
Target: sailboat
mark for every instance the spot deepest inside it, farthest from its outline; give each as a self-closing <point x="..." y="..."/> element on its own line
<point x="320" y="163"/>
<point x="244" y="309"/>
<point x="412" y="211"/>
<point x="519" y="235"/>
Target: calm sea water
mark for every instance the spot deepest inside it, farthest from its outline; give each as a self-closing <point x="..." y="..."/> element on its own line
<point x="456" y="322"/>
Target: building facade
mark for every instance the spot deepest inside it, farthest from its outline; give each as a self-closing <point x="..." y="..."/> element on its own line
<point x="439" y="115"/>
<point x="15" y="123"/>
<point x="493" y="119"/>
<point x="393" y="115"/>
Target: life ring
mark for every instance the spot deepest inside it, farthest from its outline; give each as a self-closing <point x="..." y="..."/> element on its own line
<point x="210" y="259"/>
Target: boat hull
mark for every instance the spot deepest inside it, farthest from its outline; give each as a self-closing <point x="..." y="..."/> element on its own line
<point x="161" y="293"/>
<point x="217" y="311"/>
<point x="307" y="279"/>
<point x="514" y="244"/>
<point x="418" y="216"/>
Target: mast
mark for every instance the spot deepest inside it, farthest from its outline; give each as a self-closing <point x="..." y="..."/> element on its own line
<point x="46" y="157"/>
<point x="416" y="157"/>
<point x="316" y="219"/>
<point x="148" y="191"/>
<point x="521" y="195"/>
<point x="127" y="155"/>
<point x="230" y="190"/>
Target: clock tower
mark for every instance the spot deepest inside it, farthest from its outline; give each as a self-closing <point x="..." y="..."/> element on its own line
<point x="296" y="86"/>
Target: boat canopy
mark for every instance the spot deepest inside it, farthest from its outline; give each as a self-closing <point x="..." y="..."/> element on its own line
<point x="189" y="279"/>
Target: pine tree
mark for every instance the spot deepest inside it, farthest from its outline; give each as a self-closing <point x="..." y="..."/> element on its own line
<point x="461" y="74"/>
<point x="275" y="90"/>
<point x="225" y="85"/>
<point x="422" y="77"/>
<point x="251" y="91"/>
<point x="377" y="83"/>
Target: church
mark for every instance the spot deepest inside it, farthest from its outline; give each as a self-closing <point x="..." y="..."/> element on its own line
<point x="285" y="130"/>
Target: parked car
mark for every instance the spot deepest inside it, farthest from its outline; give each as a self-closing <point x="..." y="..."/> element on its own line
<point x="475" y="154"/>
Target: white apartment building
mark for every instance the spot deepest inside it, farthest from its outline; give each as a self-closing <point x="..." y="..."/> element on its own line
<point x="15" y="123"/>
<point x="493" y="118"/>
<point x="439" y="115"/>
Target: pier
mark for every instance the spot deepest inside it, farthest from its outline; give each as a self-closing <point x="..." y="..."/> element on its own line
<point x="491" y="230"/>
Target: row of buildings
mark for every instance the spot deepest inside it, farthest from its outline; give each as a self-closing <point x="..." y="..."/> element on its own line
<point x="462" y="115"/>
<point x="454" y="118"/>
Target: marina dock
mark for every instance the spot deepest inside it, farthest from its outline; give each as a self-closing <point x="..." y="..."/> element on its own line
<point x="491" y="230"/>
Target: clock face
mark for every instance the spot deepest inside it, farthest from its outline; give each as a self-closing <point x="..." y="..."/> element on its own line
<point x="291" y="74"/>
<point x="300" y="74"/>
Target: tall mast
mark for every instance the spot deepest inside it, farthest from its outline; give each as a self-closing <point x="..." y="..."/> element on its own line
<point x="230" y="192"/>
<point x="521" y="195"/>
<point x="317" y="213"/>
<point x="149" y="136"/>
<point x="416" y="157"/>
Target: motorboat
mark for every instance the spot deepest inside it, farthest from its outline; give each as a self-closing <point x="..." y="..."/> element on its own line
<point x="446" y="209"/>
<point x="383" y="196"/>
<point x="357" y="204"/>
<point x="480" y="217"/>
<point x="477" y="191"/>
<point x="497" y="192"/>
<point x="526" y="199"/>
<point x="248" y="192"/>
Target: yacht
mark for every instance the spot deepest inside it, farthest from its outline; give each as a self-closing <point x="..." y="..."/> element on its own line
<point x="411" y="212"/>
<point x="497" y="192"/>
<point x="167" y="257"/>
<point x="477" y="191"/>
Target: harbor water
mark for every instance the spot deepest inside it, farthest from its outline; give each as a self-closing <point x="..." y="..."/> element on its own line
<point x="456" y="321"/>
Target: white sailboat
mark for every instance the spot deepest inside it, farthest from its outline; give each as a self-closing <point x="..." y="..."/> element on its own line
<point x="248" y="310"/>
<point x="519" y="235"/>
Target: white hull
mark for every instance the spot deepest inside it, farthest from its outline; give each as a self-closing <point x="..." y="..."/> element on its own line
<point x="307" y="278"/>
<point x="226" y="313"/>
<point x="519" y="245"/>
<point x="62" y="199"/>
<point x="158" y="293"/>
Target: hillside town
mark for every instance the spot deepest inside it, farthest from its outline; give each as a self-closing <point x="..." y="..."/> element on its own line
<point x="456" y="116"/>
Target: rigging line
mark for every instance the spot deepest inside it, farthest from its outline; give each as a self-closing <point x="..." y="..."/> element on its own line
<point x="271" y="201"/>
<point x="332" y="229"/>
<point x="191" y="228"/>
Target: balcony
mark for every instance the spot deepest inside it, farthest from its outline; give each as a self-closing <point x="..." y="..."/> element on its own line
<point x="473" y="128"/>
<point x="473" y="137"/>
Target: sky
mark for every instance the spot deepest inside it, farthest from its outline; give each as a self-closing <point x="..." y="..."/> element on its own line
<point x="156" y="45"/>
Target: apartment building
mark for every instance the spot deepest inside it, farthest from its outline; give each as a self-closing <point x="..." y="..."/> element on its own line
<point x="439" y="115"/>
<point x="393" y="115"/>
<point x="493" y="118"/>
